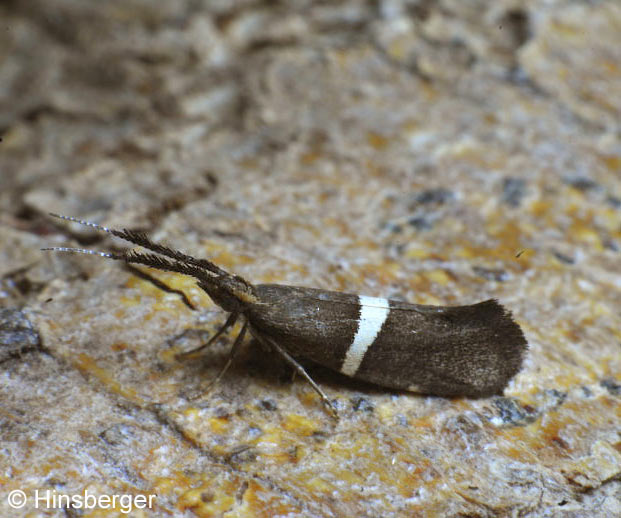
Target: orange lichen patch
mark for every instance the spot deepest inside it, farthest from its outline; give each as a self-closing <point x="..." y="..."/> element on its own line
<point x="188" y="488"/>
<point x="610" y="220"/>
<point x="419" y="252"/>
<point x="576" y="332"/>
<point x="560" y="433"/>
<point x="142" y="289"/>
<point x="610" y="407"/>
<point x="164" y="301"/>
<point x="119" y="346"/>
<point x="612" y="162"/>
<point x="191" y="414"/>
<point x="409" y="473"/>
<point x="363" y="244"/>
<point x="129" y="301"/>
<point x="392" y="463"/>
<point x="343" y="473"/>
<point x="509" y="234"/>
<point x="428" y="298"/>
<point x="177" y="282"/>
<point x="144" y="286"/>
<point x="218" y="425"/>
<point x="441" y="277"/>
<point x="420" y="423"/>
<point x="170" y="305"/>
<point x="542" y="209"/>
<point x="87" y="365"/>
<point x="384" y="274"/>
<point x="271" y="438"/>
<point x="259" y="502"/>
<point x="553" y="435"/>
<point x="277" y="447"/>
<point x="519" y="448"/>
<point x="465" y="250"/>
<point x="229" y="260"/>
<point x="584" y="232"/>
<point x="210" y="498"/>
<point x="569" y="379"/>
<point x="390" y="271"/>
<point x="300" y="425"/>
<point x="309" y="398"/>
<point x="53" y="463"/>
<point x="280" y="273"/>
<point x="317" y="484"/>
<point x="340" y="281"/>
<point x="169" y="354"/>
<point x="377" y="141"/>
<point x="419" y="284"/>
<point x="168" y="485"/>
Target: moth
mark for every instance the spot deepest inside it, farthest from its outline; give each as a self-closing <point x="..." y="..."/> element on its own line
<point x="471" y="350"/>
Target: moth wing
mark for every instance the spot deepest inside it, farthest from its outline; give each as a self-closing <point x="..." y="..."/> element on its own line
<point x="444" y="350"/>
<point x="468" y="350"/>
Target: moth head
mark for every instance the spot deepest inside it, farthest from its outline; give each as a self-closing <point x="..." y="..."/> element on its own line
<point x="231" y="292"/>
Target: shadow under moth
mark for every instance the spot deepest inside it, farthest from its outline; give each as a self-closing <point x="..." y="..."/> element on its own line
<point x="471" y="350"/>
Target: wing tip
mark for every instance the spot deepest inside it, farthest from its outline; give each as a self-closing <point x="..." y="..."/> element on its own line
<point x="501" y="344"/>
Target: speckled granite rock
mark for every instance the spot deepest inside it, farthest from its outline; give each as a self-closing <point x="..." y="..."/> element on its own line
<point x="402" y="149"/>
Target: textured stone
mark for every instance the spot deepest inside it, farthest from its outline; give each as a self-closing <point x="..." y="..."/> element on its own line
<point x="409" y="150"/>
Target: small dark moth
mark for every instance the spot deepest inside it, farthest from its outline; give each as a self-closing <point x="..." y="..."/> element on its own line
<point x="441" y="350"/>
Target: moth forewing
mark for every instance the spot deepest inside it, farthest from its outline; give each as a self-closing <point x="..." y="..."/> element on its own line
<point x="449" y="351"/>
<point x="444" y="350"/>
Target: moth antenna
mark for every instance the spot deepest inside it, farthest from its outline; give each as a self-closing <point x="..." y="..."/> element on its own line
<point x="161" y="263"/>
<point x="83" y="251"/>
<point x="81" y="222"/>
<point x="230" y="292"/>
<point x="141" y="239"/>
<point x="151" y="260"/>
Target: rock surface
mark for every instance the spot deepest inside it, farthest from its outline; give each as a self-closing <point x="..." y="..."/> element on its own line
<point x="402" y="149"/>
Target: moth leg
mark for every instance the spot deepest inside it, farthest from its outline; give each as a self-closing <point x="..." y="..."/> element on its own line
<point x="229" y="322"/>
<point x="291" y="361"/>
<point x="229" y="361"/>
<point x="159" y="284"/>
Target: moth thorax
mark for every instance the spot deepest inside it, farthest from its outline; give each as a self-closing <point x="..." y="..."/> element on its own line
<point x="231" y="293"/>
